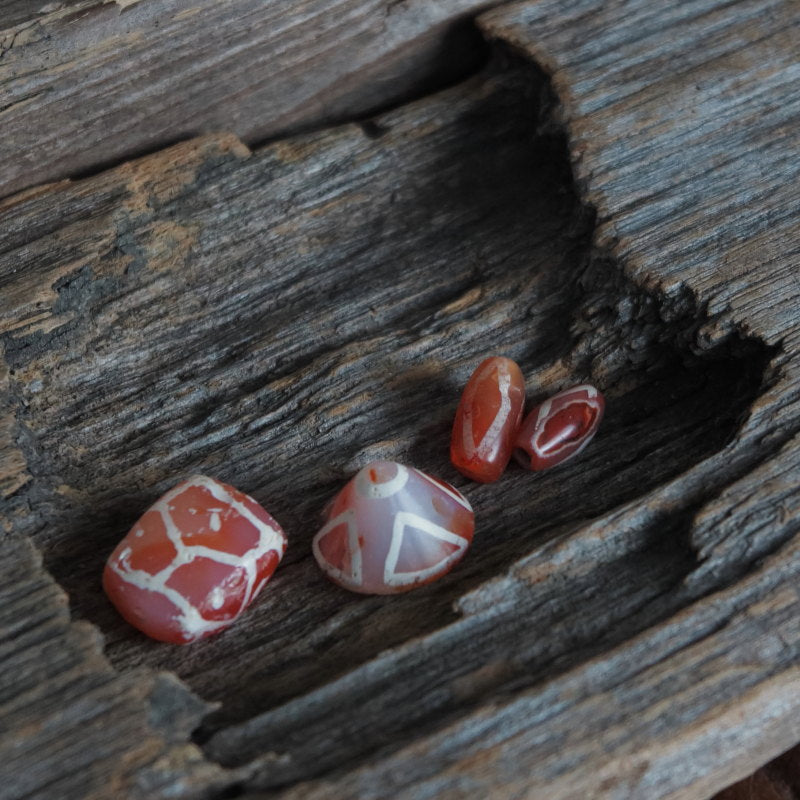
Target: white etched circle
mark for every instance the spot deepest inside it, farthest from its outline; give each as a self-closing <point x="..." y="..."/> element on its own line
<point x="367" y="484"/>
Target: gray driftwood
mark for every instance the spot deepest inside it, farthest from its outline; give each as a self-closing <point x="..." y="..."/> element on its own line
<point x="87" y="82"/>
<point x="613" y="198"/>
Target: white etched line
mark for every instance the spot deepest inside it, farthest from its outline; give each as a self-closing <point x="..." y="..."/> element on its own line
<point x="259" y="524"/>
<point x="451" y="491"/>
<point x="488" y="443"/>
<point x="405" y="519"/>
<point x="190" y="620"/>
<point x="541" y="422"/>
<point x="485" y="446"/>
<point x="355" y="576"/>
<point x="269" y="538"/>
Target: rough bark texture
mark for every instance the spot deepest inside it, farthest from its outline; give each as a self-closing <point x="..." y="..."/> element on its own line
<point x="626" y="626"/>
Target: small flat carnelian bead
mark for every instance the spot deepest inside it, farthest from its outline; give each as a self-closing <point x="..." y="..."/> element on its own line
<point x="487" y="419"/>
<point x="193" y="562"/>
<point x="559" y="428"/>
<point x="393" y="528"/>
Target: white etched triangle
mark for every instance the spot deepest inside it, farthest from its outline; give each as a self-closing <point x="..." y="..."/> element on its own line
<point x="450" y="491"/>
<point x="354" y="576"/>
<point x="407" y="519"/>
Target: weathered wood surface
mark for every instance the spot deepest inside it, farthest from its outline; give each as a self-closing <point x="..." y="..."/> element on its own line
<point x="90" y="82"/>
<point x="625" y="627"/>
<point x="106" y="741"/>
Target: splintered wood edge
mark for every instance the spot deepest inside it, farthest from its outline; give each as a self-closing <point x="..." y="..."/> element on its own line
<point x="149" y="716"/>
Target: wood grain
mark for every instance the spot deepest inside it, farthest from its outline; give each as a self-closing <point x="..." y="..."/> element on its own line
<point x="624" y="627"/>
<point x="102" y="81"/>
<point x="72" y="726"/>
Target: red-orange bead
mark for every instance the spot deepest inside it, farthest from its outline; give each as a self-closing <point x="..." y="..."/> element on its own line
<point x="487" y="419"/>
<point x="194" y="561"/>
<point x="559" y="428"/>
<point x="393" y="528"/>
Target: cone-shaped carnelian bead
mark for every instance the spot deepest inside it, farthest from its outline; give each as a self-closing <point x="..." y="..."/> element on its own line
<point x="393" y="528"/>
<point x="194" y="561"/>
<point x="487" y="419"/>
<point x="559" y="428"/>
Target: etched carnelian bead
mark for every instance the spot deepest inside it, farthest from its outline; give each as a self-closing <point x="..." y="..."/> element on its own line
<point x="559" y="428"/>
<point x="193" y="562"/>
<point x="487" y="419"/>
<point x="393" y="528"/>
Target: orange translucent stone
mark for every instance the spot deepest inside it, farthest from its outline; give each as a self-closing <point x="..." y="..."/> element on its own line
<point x="559" y="428"/>
<point x="487" y="419"/>
<point x="193" y="562"/>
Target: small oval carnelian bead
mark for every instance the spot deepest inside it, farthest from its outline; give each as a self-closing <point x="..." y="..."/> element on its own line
<point x="487" y="419"/>
<point x="559" y="428"/>
<point x="393" y="528"/>
<point x="193" y="562"/>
